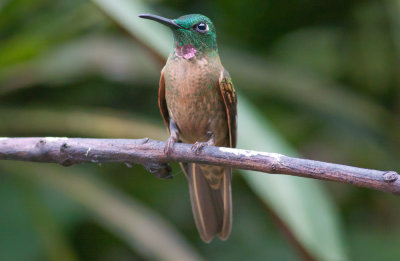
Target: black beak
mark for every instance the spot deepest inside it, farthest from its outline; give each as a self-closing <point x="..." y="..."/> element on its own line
<point x="161" y="20"/>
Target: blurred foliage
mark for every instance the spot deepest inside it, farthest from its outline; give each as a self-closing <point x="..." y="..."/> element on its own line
<point x="321" y="78"/>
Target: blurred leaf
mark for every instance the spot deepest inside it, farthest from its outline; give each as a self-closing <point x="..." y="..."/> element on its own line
<point x="315" y="49"/>
<point x="41" y="34"/>
<point x="119" y="59"/>
<point x="98" y="123"/>
<point x="141" y="228"/>
<point x="302" y="204"/>
<point x="393" y="8"/>
<point x="306" y="89"/>
<point x="312" y="225"/>
<point x="125" y="13"/>
<point x="371" y="49"/>
<point x="15" y="226"/>
<point x="3" y="3"/>
<point x="53" y="240"/>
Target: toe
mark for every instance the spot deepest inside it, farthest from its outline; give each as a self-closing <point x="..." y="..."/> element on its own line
<point x="197" y="147"/>
<point x="168" y="146"/>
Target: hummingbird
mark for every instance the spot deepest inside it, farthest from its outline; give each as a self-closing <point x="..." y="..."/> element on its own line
<point x="197" y="102"/>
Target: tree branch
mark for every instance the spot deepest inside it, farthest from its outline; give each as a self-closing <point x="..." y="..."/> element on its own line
<point x="150" y="153"/>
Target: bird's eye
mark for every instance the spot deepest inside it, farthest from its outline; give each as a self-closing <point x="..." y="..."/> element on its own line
<point x="201" y="27"/>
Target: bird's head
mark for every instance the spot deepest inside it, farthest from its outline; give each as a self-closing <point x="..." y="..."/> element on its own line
<point x="194" y="34"/>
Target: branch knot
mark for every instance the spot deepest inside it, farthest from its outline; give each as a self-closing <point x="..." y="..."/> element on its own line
<point x="390" y="176"/>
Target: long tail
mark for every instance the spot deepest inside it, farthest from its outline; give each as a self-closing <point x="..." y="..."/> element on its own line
<point x="211" y="203"/>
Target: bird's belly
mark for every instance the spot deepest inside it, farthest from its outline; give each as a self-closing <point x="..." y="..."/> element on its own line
<point x="198" y="111"/>
<point x="194" y="99"/>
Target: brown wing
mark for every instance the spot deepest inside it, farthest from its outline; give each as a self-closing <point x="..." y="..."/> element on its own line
<point x="162" y="104"/>
<point x="230" y="100"/>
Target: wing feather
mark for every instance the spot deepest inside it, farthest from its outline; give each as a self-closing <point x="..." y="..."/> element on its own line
<point x="162" y="103"/>
<point x="230" y="100"/>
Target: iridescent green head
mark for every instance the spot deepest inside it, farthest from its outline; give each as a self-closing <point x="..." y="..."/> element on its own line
<point x="194" y="34"/>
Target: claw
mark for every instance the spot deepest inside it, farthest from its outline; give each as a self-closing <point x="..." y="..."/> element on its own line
<point x="169" y="146"/>
<point x="198" y="146"/>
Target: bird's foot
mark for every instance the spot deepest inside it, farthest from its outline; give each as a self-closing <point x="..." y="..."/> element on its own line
<point x="169" y="146"/>
<point x="198" y="146"/>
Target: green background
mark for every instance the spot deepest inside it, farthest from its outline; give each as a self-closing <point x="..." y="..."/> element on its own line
<point x="315" y="79"/>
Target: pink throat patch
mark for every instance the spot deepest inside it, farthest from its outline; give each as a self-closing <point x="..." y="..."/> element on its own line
<point x="186" y="51"/>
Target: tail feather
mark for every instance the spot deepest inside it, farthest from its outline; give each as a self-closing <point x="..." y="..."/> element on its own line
<point x="225" y="230"/>
<point x="212" y="208"/>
